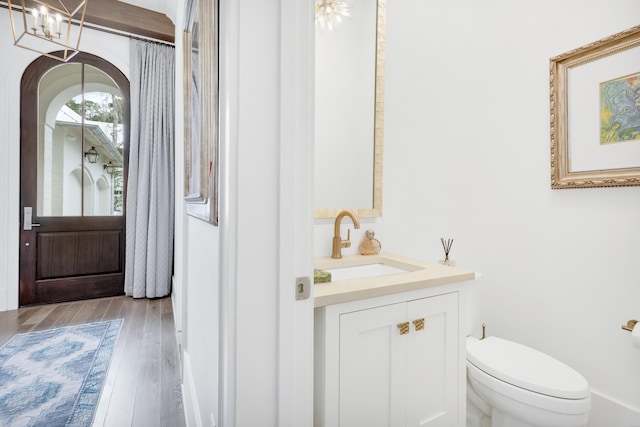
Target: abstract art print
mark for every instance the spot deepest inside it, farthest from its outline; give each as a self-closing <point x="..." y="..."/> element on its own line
<point x="620" y="109"/>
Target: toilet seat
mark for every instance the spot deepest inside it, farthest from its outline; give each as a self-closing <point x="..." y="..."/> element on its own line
<point x="526" y="368"/>
<point x="499" y="389"/>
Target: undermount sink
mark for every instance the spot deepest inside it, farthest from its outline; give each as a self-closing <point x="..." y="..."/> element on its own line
<point x="360" y="277"/>
<point x="360" y="271"/>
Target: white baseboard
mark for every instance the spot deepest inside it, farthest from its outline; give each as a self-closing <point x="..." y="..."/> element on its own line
<point x="176" y="302"/>
<point x="607" y="411"/>
<point x="177" y="322"/>
<point x="189" y="395"/>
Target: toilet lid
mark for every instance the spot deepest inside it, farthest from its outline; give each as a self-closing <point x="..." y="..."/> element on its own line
<point x="526" y="368"/>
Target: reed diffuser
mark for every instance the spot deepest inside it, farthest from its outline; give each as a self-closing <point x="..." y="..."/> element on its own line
<point x="446" y="245"/>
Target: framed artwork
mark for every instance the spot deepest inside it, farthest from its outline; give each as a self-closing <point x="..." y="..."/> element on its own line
<point x="201" y="118"/>
<point x="595" y="114"/>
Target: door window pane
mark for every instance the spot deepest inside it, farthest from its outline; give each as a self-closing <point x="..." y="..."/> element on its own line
<point x="80" y="143"/>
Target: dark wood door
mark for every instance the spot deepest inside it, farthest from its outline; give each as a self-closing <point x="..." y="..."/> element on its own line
<point x="72" y="230"/>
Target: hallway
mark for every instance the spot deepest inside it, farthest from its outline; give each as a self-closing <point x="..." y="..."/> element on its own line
<point x="143" y="386"/>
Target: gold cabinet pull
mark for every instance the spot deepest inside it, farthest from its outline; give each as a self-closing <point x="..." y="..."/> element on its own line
<point x="630" y="325"/>
<point x="419" y="324"/>
<point x="404" y="328"/>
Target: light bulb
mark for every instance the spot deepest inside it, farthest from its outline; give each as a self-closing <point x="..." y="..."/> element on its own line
<point x="34" y="12"/>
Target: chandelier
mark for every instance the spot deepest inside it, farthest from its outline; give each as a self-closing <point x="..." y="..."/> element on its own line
<point x="48" y="27"/>
<point x="329" y="13"/>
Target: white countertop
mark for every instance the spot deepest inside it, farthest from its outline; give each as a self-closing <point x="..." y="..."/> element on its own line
<point x="421" y="274"/>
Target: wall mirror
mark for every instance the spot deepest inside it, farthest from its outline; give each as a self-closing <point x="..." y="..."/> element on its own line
<point x="349" y="112"/>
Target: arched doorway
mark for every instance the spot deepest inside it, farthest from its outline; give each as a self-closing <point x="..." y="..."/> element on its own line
<point x="74" y="147"/>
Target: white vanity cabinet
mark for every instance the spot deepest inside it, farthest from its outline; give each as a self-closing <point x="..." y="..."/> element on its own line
<point x="391" y="361"/>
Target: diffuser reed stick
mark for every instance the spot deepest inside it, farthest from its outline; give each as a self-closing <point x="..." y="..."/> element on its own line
<point x="446" y="244"/>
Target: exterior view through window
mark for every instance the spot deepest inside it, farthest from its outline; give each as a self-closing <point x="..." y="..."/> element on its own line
<point x="80" y="143"/>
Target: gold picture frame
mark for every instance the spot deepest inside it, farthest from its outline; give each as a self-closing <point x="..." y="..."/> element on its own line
<point x="593" y="89"/>
<point x="201" y="107"/>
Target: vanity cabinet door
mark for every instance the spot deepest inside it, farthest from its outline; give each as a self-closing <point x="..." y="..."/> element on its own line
<point x="389" y="379"/>
<point x="372" y="359"/>
<point x="432" y="362"/>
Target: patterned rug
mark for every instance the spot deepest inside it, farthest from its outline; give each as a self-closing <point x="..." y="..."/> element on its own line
<point x="54" y="378"/>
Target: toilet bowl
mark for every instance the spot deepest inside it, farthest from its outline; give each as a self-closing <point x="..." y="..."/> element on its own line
<point x="511" y="385"/>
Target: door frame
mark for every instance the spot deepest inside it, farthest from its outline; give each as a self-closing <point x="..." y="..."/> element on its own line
<point x="29" y="100"/>
<point x="293" y="364"/>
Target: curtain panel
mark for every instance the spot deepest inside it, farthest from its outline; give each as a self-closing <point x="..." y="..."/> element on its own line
<point x="150" y="188"/>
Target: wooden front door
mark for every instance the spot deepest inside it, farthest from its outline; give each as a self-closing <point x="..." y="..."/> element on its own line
<point x="73" y="161"/>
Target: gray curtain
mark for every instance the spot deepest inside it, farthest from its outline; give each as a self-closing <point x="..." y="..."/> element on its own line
<point x="150" y="187"/>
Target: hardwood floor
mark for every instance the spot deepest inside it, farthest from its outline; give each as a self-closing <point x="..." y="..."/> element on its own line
<point x="143" y="386"/>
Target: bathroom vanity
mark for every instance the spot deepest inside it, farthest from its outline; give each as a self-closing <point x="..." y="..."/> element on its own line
<point x="389" y="343"/>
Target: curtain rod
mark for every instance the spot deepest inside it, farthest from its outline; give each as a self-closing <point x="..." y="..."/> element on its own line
<point x="95" y="27"/>
<point x="127" y="34"/>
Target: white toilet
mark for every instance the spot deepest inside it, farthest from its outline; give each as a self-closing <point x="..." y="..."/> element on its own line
<point x="511" y="385"/>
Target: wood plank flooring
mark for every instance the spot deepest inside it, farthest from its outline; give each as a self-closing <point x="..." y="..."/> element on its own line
<point x="143" y="386"/>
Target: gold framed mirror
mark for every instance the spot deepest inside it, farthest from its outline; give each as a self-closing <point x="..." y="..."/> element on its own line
<point x="349" y="113"/>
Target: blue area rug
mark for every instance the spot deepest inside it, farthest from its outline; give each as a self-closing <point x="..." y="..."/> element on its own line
<point x="54" y="378"/>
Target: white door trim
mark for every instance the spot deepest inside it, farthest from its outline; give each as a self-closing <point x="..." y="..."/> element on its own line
<point x="295" y="395"/>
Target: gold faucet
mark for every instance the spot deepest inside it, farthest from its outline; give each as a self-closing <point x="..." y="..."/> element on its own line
<point x="338" y="243"/>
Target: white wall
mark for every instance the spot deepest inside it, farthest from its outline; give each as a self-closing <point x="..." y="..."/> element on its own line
<point x="467" y="157"/>
<point x="196" y="285"/>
